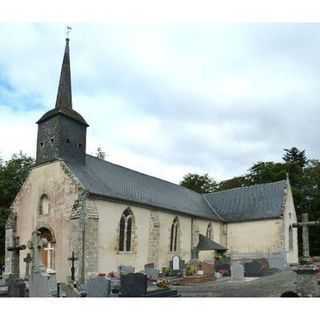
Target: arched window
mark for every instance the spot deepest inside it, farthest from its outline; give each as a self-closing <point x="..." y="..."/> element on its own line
<point x="290" y="238"/>
<point x="125" y="236"/>
<point x="44" y="205"/>
<point x="209" y="231"/>
<point x="48" y="252"/>
<point x="174" y="235"/>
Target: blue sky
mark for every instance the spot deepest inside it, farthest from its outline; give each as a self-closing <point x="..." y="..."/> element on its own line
<point x="169" y="99"/>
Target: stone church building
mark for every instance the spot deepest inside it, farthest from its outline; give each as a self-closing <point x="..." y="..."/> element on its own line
<point x="110" y="215"/>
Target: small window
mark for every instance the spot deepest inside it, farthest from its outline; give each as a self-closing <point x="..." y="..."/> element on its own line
<point x="68" y="140"/>
<point x="52" y="140"/>
<point x="209" y="231"/>
<point x="125" y="236"/>
<point x="44" y="205"/>
<point x="41" y="144"/>
<point x="80" y="145"/>
<point x="174" y="235"/>
<point x="290" y="238"/>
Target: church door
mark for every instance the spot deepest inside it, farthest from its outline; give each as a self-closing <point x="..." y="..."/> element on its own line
<point x="48" y="252"/>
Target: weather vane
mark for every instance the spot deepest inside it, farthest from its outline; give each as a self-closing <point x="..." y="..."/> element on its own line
<point x="68" y="30"/>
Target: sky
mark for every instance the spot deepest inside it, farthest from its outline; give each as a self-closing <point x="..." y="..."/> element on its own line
<point x="169" y="99"/>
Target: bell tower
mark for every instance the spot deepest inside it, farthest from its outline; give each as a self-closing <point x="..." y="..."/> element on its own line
<point x="62" y="131"/>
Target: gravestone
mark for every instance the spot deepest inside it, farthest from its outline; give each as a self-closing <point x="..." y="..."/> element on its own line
<point x="39" y="285"/>
<point x="256" y="268"/>
<point x="39" y="280"/>
<point x="16" y="287"/>
<point x="98" y="287"/>
<point x="237" y="271"/>
<point x="151" y="272"/>
<point x="125" y="269"/>
<point x="52" y="283"/>
<point x="133" y="285"/>
<point x="176" y="263"/>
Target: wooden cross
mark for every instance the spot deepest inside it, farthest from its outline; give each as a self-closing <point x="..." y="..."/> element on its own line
<point x="305" y="224"/>
<point x="73" y="258"/>
<point x="27" y="260"/>
<point x="16" y="248"/>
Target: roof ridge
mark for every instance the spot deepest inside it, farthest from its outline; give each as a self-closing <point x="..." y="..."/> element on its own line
<point x="247" y="187"/>
<point x="145" y="174"/>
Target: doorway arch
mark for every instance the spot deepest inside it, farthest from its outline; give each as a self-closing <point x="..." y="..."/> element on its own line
<point x="48" y="252"/>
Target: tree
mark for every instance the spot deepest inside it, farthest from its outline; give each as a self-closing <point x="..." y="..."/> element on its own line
<point x="235" y="182"/>
<point x="198" y="183"/>
<point x="12" y="175"/>
<point x="264" y="172"/>
<point x="295" y="156"/>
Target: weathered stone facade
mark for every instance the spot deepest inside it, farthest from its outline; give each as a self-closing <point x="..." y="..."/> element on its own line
<point x="154" y="238"/>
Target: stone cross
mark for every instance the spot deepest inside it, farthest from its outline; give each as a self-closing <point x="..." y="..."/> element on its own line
<point x="27" y="260"/>
<point x="36" y="244"/>
<point x="305" y="224"/>
<point x="16" y="248"/>
<point x="73" y="258"/>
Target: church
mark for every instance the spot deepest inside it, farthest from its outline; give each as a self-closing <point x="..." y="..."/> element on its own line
<point x="109" y="215"/>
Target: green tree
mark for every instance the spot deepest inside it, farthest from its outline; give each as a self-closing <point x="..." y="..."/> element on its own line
<point x="199" y="183"/>
<point x="12" y="175"/>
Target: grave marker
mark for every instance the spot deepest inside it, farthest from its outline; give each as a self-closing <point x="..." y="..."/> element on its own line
<point x="237" y="271"/>
<point x="98" y="287"/>
<point x="133" y="285"/>
<point x="16" y="248"/>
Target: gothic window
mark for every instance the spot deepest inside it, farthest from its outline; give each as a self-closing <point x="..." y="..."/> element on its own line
<point x="174" y="235"/>
<point x="290" y="238"/>
<point x="48" y="251"/>
<point x="125" y="236"/>
<point x="209" y="231"/>
<point x="44" y="205"/>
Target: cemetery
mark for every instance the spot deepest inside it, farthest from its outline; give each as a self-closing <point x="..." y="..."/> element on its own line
<point x="229" y="277"/>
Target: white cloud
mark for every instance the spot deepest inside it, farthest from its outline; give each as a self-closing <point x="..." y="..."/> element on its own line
<point x="168" y="99"/>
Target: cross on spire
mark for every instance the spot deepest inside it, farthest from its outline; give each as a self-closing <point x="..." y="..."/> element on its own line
<point x="64" y="96"/>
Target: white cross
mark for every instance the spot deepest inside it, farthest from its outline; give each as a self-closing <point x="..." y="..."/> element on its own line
<point x="49" y="252"/>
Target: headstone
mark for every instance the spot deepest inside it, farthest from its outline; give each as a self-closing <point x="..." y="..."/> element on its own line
<point x="176" y="263"/>
<point x="52" y="283"/>
<point x="39" y="280"/>
<point x="125" y="269"/>
<point x="98" y="287"/>
<point x="39" y="285"/>
<point x="133" y="285"/>
<point x="16" y="248"/>
<point x="237" y="271"/>
<point x="16" y="288"/>
<point x="151" y="272"/>
<point x="256" y="268"/>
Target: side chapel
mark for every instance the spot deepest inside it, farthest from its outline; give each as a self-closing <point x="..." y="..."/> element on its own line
<point x="110" y="215"/>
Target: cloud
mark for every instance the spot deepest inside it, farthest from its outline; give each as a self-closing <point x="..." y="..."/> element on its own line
<point x="169" y="99"/>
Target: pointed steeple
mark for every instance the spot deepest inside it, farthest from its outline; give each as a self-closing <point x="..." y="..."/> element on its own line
<point x="64" y="96"/>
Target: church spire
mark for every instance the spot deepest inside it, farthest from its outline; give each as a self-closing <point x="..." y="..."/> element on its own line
<point x="64" y="96"/>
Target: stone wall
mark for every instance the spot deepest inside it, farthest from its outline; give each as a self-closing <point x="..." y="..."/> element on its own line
<point x="63" y="191"/>
<point x="154" y="238"/>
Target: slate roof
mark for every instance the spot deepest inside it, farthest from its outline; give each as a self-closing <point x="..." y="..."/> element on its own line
<point x="103" y="178"/>
<point x="261" y="201"/>
<point x="70" y="113"/>
<point x="107" y="179"/>
<point x="208" y="244"/>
